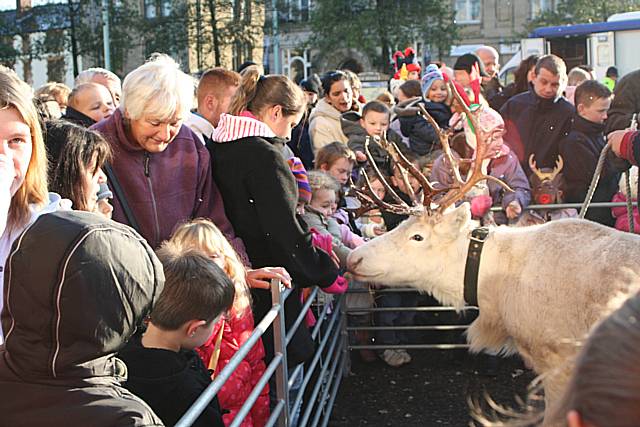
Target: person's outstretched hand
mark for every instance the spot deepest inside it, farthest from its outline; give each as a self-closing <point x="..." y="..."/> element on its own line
<point x="261" y="277"/>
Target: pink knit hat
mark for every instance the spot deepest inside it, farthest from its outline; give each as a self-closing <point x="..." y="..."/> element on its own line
<point x="491" y="123"/>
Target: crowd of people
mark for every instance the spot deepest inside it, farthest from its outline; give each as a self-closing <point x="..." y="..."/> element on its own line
<point x="237" y="178"/>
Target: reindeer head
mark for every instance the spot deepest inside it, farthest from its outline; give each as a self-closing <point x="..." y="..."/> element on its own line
<point x="546" y="183"/>
<point x="414" y="253"/>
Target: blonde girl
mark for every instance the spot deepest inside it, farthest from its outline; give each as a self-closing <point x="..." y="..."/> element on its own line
<point x="234" y="330"/>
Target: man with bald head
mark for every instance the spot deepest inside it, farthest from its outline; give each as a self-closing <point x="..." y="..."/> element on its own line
<point x="105" y="78"/>
<point x="88" y="104"/>
<point x="491" y="85"/>
<point x="215" y="90"/>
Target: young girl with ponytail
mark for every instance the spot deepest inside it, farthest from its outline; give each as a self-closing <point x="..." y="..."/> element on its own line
<point x="260" y="195"/>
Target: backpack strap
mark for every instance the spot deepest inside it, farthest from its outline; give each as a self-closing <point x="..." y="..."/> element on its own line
<point x="119" y="194"/>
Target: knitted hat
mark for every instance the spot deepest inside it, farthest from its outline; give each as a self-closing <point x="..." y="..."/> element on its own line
<point x="104" y="192"/>
<point x="300" y="174"/>
<point x="431" y="74"/>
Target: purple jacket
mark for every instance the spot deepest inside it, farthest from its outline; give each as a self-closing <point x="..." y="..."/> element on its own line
<point x="165" y="189"/>
<point x="507" y="168"/>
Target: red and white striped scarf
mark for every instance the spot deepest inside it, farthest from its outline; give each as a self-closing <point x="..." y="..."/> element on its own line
<point x="246" y="124"/>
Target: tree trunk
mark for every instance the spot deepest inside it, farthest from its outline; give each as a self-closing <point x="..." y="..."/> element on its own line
<point x="215" y="35"/>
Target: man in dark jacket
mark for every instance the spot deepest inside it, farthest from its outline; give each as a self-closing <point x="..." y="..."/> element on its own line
<point x="626" y="102"/>
<point x="95" y="280"/>
<point x="536" y="121"/>
<point x="581" y="150"/>
<point x="491" y="86"/>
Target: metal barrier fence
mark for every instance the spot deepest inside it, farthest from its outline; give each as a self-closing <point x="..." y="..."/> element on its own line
<point x="321" y="376"/>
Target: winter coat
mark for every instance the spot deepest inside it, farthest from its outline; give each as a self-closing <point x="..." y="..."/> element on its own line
<point x="506" y="168"/>
<point x="324" y="126"/>
<point x="501" y="98"/>
<point x="620" y="214"/>
<point x="236" y="390"/>
<point x="300" y="142"/>
<point x="536" y="126"/>
<point x="352" y="128"/>
<point x="395" y="126"/>
<point x="260" y="196"/>
<point x="55" y="203"/>
<point x="169" y="381"/>
<point x="422" y="137"/>
<point x="76" y="117"/>
<point x="165" y="189"/>
<point x="491" y="90"/>
<point x="330" y="226"/>
<point x="626" y="102"/>
<point x="580" y="152"/>
<point x="65" y="320"/>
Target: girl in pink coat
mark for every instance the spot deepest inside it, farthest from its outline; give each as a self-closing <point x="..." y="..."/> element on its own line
<point x="237" y="325"/>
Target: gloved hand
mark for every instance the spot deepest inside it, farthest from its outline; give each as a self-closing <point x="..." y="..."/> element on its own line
<point x="338" y="287"/>
<point x="480" y="205"/>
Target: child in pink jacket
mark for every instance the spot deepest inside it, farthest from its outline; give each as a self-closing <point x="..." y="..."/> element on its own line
<point x="237" y="326"/>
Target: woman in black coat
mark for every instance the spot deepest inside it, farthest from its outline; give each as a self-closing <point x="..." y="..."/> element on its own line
<point x="260" y="195"/>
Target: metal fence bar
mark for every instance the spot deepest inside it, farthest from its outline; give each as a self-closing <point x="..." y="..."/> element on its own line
<point x="280" y="348"/>
<point x="275" y="414"/>
<point x="326" y="387"/>
<point x="301" y="316"/>
<point x="409" y="346"/>
<point x="255" y="393"/>
<point x="384" y="290"/>
<point x="334" y="391"/>
<point x="568" y="206"/>
<point x="408" y="328"/>
<point x="316" y="388"/>
<point x="320" y="320"/>
<point x="314" y="362"/>
<point x="209" y="393"/>
<point x="380" y="309"/>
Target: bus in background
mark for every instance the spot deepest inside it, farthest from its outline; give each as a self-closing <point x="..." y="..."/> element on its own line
<point x="598" y="44"/>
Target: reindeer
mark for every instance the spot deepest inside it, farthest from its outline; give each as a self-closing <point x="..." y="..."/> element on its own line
<point x="539" y="289"/>
<point x="547" y="188"/>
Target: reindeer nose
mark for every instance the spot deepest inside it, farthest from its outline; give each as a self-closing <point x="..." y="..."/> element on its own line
<point x="353" y="262"/>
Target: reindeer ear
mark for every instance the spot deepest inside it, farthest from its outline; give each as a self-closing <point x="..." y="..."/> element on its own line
<point x="453" y="220"/>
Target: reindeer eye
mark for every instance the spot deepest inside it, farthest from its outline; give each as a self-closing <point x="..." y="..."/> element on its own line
<point x="417" y="238"/>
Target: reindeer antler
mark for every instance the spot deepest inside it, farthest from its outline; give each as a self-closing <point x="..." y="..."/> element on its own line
<point x="456" y="194"/>
<point x="546" y="175"/>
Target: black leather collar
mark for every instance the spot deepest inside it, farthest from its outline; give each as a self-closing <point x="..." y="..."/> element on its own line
<point x="472" y="266"/>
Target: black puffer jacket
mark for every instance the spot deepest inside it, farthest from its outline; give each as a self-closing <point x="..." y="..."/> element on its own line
<point x="76" y="285"/>
<point x="536" y="126"/>
<point x="580" y="152"/>
<point x="422" y="137"/>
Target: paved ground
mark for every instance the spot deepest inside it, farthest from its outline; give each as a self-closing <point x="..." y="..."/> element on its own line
<point x="430" y="391"/>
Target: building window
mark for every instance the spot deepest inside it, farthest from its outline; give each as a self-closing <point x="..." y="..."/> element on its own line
<point x="167" y="8"/>
<point x="295" y="10"/>
<point x="540" y="6"/>
<point x="468" y="11"/>
<point x="150" y="9"/>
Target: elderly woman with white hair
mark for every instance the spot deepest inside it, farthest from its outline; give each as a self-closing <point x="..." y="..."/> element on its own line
<point x="160" y="173"/>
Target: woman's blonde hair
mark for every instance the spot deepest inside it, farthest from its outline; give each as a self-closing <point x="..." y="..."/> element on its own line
<point x="203" y="235"/>
<point x="158" y="89"/>
<point x="257" y="92"/>
<point x="14" y="93"/>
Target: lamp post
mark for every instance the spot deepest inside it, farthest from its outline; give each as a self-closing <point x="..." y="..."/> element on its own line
<point x="106" y="42"/>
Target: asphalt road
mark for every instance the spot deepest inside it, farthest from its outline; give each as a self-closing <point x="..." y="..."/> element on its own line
<point x="432" y="390"/>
